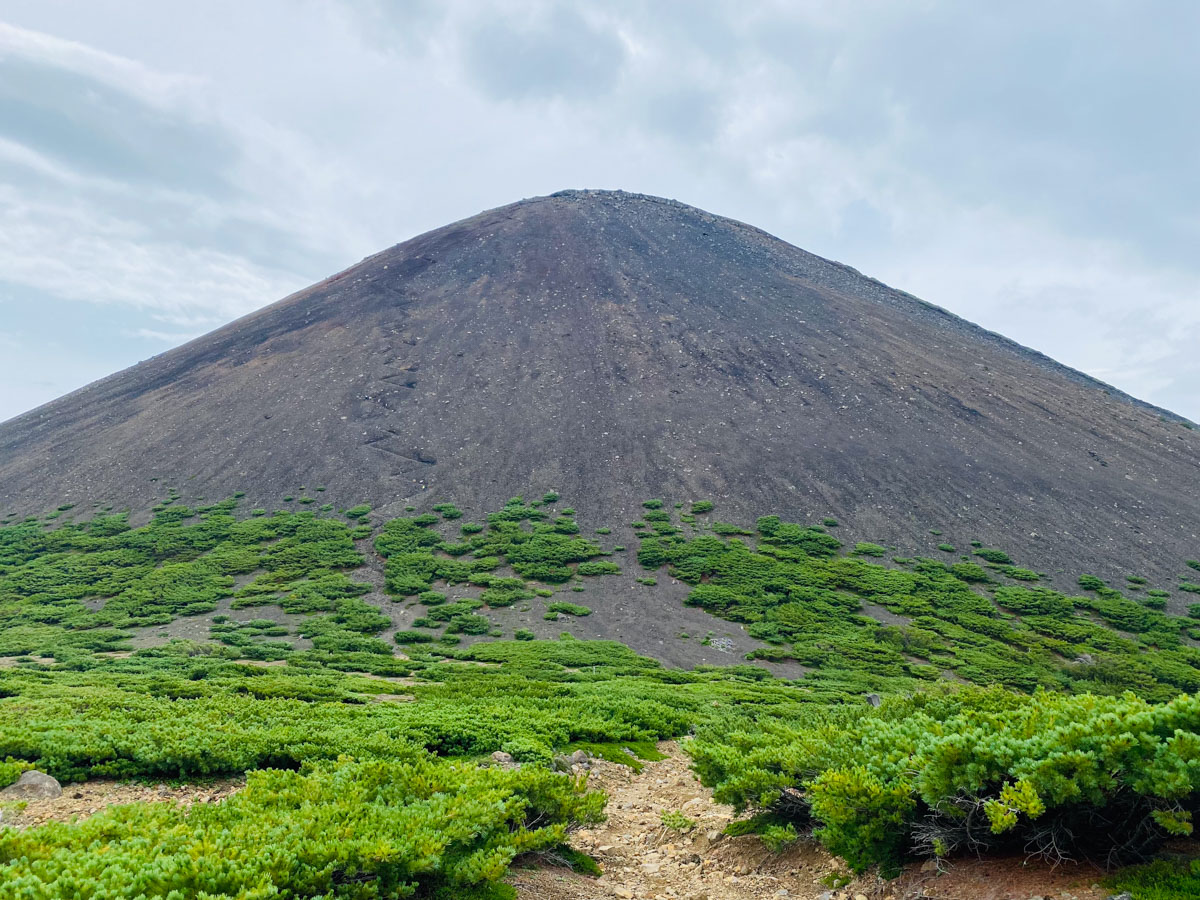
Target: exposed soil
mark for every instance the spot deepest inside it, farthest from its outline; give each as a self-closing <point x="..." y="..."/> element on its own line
<point x="617" y="347"/>
<point x="643" y="859"/>
<point x="79" y="801"/>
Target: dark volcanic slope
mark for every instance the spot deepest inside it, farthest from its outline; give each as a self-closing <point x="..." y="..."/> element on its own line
<point x="618" y="347"/>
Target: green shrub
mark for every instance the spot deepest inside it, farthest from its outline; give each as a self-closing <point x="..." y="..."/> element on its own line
<point x="676" y="821"/>
<point x="701" y="506"/>
<point x="726" y="528"/>
<point x="413" y="637"/>
<point x="1160" y="880"/>
<point x="571" y="609"/>
<point x="994" y="556"/>
<point x="915" y="772"/>
<point x="947" y="548"/>
<point x="523" y="634"/>
<point x="867" y="549"/>
<point x="469" y="623"/>
<point x="385" y="827"/>
<point x="598" y="568"/>
<point x="11" y="769"/>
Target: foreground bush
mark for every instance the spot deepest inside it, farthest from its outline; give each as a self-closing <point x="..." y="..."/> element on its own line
<point x="349" y="829"/>
<point x="1161" y="880"/>
<point x="1107" y="777"/>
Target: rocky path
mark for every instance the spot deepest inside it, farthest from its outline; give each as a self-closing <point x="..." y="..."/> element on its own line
<point x="643" y="859"/>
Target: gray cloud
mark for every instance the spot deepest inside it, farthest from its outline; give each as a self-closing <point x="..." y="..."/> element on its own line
<point x="556" y="52"/>
<point x="97" y="129"/>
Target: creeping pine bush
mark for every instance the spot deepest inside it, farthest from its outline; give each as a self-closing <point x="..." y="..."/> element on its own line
<point x="570" y="609"/>
<point x="346" y="829"/>
<point x="1106" y="777"/>
<point x="1159" y="880"/>
<point x="517" y="535"/>
<point x="795" y="588"/>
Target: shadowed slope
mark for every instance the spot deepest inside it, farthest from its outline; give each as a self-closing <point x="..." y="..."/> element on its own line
<point x="618" y="347"/>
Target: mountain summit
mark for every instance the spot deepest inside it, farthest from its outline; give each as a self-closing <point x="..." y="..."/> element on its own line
<point x="618" y="347"/>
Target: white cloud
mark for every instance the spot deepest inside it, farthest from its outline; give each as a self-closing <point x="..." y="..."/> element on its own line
<point x="77" y="252"/>
<point x="162" y="89"/>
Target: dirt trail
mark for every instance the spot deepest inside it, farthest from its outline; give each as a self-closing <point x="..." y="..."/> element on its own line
<point x="644" y="860"/>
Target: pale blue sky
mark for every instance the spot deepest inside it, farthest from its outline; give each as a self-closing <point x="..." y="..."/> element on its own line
<point x="166" y="166"/>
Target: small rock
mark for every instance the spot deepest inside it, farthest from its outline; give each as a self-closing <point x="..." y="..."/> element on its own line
<point x="860" y="897"/>
<point x="504" y="759"/>
<point x="930" y="865"/>
<point x="623" y="892"/>
<point x="874" y="699"/>
<point x="1124" y="895"/>
<point x="561" y="763"/>
<point x="33" y="785"/>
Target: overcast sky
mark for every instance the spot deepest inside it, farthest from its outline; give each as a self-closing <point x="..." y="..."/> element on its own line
<point x="166" y="166"/>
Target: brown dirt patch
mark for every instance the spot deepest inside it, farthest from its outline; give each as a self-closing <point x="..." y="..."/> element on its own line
<point x="80" y="801"/>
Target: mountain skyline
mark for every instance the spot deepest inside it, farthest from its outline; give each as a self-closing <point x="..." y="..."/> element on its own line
<point x="617" y="347"/>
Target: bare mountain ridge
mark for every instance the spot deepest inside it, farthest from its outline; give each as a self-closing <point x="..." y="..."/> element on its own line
<point x="617" y="347"/>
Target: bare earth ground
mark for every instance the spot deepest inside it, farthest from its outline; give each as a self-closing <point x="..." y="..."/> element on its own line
<point x="79" y="801"/>
<point x="642" y="859"/>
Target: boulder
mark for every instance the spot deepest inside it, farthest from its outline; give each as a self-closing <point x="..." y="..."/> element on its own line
<point x="33" y="785"/>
